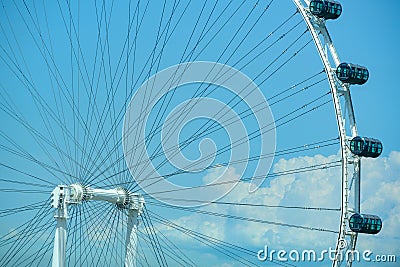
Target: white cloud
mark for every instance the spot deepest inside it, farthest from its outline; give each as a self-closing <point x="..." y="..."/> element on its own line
<point x="322" y="188"/>
<point x="381" y="196"/>
<point x="99" y="232"/>
<point x="11" y="234"/>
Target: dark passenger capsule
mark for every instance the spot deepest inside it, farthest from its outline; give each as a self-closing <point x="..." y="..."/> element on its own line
<point x="327" y="9"/>
<point x="366" y="147"/>
<point x="364" y="223"/>
<point x="352" y="73"/>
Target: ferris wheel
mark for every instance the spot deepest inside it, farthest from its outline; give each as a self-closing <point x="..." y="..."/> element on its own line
<point x="177" y="133"/>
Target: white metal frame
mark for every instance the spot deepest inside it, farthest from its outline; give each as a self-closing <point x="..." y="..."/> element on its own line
<point x="325" y="47"/>
<point x="63" y="196"/>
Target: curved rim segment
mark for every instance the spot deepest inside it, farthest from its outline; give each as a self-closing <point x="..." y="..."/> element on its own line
<point x="324" y="45"/>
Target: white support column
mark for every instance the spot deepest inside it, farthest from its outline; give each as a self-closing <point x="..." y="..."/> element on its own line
<point x="131" y="238"/>
<point x="60" y="196"/>
<point x="60" y="242"/>
<point x="135" y="208"/>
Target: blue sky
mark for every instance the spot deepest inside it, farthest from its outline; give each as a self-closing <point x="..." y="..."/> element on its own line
<point x="364" y="35"/>
<point x="75" y="76"/>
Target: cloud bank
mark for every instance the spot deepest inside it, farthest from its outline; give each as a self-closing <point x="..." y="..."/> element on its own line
<point x="380" y="195"/>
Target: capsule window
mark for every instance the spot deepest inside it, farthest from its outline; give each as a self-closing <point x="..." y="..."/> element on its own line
<point x="365" y="223"/>
<point x="357" y="145"/>
<point x="352" y="73"/>
<point x="366" y="147"/>
<point x="327" y="9"/>
<point x="316" y="7"/>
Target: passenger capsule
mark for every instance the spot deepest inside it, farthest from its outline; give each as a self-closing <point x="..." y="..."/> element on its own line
<point x="327" y="9"/>
<point x="352" y="73"/>
<point x="366" y="147"/>
<point x="364" y="223"/>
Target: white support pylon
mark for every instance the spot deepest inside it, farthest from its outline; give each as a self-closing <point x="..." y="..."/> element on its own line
<point x="59" y="197"/>
<point x="131" y="239"/>
<point x="63" y="196"/>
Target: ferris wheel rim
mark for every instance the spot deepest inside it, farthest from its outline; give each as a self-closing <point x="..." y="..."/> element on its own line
<point x="343" y="136"/>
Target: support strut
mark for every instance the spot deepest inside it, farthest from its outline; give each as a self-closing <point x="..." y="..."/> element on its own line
<point x="63" y="196"/>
